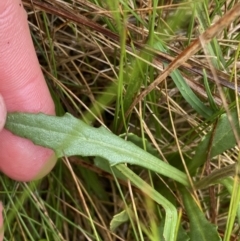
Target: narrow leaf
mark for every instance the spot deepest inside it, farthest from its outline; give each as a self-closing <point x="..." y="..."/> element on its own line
<point x="69" y="136"/>
<point x="170" y="223"/>
<point x="187" y="92"/>
<point x="211" y="100"/>
<point x="118" y="219"/>
<point x="200" y="228"/>
<point x="223" y="140"/>
<point x="189" y="95"/>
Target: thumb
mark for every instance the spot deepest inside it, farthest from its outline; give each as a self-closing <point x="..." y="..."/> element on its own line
<point x="3" y="113"/>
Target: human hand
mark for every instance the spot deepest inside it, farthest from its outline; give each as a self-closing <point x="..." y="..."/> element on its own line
<point x="22" y="88"/>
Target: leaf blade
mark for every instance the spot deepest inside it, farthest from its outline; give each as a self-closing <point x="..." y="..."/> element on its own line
<point x="200" y="228"/>
<point x="69" y="136"/>
<point x="223" y="140"/>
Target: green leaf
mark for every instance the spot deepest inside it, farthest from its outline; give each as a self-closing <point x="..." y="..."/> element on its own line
<point x="200" y="228"/>
<point x="170" y="224"/>
<point x="223" y="140"/>
<point x="189" y="95"/>
<point x="211" y="100"/>
<point x="187" y="92"/>
<point x="181" y="233"/>
<point x="118" y="219"/>
<point x="69" y="136"/>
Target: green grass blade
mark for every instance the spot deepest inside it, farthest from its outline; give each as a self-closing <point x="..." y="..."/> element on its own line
<point x="235" y="198"/>
<point x="69" y="136"/>
<point x="228" y="183"/>
<point x="209" y="92"/>
<point x="213" y="47"/>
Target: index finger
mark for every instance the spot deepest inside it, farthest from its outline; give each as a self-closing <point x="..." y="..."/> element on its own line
<point x="24" y="89"/>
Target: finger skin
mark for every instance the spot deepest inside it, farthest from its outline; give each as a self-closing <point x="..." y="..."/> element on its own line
<point x="3" y="113"/>
<point x="23" y="88"/>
